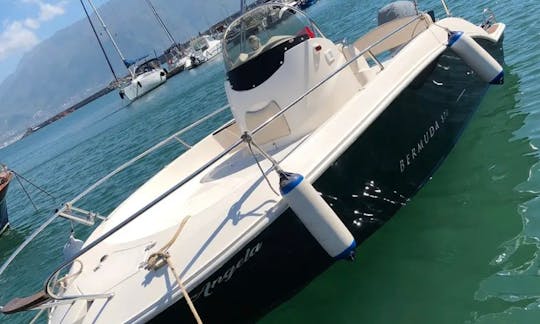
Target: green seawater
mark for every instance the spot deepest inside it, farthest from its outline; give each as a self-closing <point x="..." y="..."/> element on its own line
<point x="465" y="249"/>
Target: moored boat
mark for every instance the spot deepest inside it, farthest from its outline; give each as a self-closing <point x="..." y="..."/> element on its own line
<point x="5" y="178"/>
<point x="304" y="4"/>
<point x="206" y="47"/>
<point x="227" y="223"/>
<point x="144" y="77"/>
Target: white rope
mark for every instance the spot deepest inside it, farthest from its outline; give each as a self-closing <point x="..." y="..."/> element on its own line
<point x="156" y="260"/>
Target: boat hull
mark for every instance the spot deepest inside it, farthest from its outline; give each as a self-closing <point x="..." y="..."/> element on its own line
<point x="144" y="83"/>
<point x="366" y="186"/>
<point x="4" y="220"/>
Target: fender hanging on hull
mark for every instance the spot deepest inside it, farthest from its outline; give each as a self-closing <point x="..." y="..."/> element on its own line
<point x="320" y="220"/>
<point x="476" y="57"/>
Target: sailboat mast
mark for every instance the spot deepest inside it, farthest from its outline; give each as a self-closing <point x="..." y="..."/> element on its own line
<point x="110" y="36"/>
<point x="171" y="38"/>
<point x="99" y="40"/>
<point x="242" y="6"/>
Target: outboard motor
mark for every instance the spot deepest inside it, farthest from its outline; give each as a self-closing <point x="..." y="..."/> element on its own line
<point x="394" y="10"/>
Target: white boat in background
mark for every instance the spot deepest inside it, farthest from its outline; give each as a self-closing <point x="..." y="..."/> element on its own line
<point x="188" y="62"/>
<point x="227" y="231"/>
<point x="206" y="47"/>
<point x="143" y="78"/>
<point x="147" y="76"/>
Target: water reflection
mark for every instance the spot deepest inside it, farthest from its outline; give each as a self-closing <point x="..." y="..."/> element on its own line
<point x="512" y="292"/>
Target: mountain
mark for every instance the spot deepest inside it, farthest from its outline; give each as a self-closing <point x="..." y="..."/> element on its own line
<point x="69" y="66"/>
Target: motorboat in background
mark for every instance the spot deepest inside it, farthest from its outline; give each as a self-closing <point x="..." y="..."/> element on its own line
<point x="304" y="4"/>
<point x="206" y="47"/>
<point x="143" y="77"/>
<point x="5" y="178"/>
<point x="243" y="217"/>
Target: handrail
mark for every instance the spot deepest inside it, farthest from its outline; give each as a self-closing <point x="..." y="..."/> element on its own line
<point x="331" y="75"/>
<point x="448" y="13"/>
<point x="201" y="168"/>
<point x="145" y="153"/>
<point x="219" y="156"/>
<point x="215" y="159"/>
<point x="102" y="180"/>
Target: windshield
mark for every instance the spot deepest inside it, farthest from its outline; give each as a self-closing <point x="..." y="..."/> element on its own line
<point x="261" y="29"/>
<point x="200" y="44"/>
<point x="148" y="66"/>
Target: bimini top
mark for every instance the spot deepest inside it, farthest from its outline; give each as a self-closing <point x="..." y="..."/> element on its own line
<point x="148" y="66"/>
<point x="254" y="45"/>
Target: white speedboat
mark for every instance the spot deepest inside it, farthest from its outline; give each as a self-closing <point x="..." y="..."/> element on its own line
<point x="227" y="227"/>
<point x="147" y="76"/>
<point x="206" y="46"/>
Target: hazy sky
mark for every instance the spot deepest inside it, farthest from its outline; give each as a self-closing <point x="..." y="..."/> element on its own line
<point x="25" y="23"/>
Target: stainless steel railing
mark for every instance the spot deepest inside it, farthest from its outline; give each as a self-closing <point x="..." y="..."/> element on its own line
<point x="219" y="156"/>
<point x="49" y="283"/>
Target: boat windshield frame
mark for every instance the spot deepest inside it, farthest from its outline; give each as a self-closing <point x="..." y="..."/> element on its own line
<point x="141" y="68"/>
<point x="244" y="33"/>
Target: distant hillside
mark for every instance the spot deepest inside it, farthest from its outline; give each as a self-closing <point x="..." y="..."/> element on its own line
<point x="69" y="66"/>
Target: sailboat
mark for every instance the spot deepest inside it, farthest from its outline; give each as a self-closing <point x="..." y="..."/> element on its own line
<point x="143" y="77"/>
<point x="100" y="43"/>
<point x="179" y="61"/>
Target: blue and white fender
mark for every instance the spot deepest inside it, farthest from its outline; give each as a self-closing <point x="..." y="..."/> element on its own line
<point x="487" y="68"/>
<point x="319" y="219"/>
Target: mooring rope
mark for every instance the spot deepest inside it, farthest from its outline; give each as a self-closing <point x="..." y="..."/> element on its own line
<point x="26" y="192"/>
<point x="33" y="184"/>
<point x="158" y="259"/>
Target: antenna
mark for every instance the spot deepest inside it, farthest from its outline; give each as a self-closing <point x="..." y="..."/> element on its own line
<point x="110" y="37"/>
<point x="171" y="38"/>
<point x="99" y="40"/>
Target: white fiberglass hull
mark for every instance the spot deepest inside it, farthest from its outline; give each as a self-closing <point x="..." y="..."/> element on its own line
<point x="230" y="203"/>
<point x="213" y="50"/>
<point x="144" y="83"/>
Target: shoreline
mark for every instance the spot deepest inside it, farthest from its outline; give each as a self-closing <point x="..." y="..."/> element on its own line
<point x="69" y="110"/>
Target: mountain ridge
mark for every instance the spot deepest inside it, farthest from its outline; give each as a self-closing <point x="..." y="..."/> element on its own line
<point x="69" y="65"/>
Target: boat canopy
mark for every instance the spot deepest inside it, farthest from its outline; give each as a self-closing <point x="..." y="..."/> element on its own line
<point x="201" y="43"/>
<point x="129" y="63"/>
<point x="147" y="66"/>
<point x="263" y="29"/>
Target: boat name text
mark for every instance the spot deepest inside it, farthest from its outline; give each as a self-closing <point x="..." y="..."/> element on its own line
<point x="416" y="150"/>
<point x="209" y="286"/>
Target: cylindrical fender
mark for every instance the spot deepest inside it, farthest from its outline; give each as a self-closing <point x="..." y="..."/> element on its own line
<point x="476" y="57"/>
<point x="319" y="219"/>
